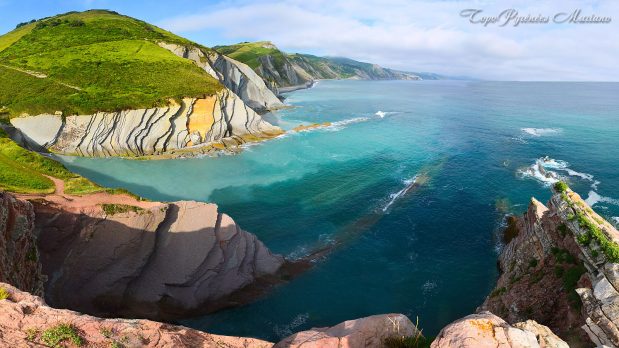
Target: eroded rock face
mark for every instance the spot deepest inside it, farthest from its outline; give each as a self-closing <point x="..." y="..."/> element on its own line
<point x="365" y="332"/>
<point x="166" y="261"/>
<point x="236" y="76"/>
<point x="24" y="318"/>
<point x="221" y="119"/>
<point x="554" y="266"/>
<point x="487" y="330"/>
<point x="19" y="257"/>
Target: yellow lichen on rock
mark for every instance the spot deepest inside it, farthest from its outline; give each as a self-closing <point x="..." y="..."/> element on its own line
<point x="202" y="117"/>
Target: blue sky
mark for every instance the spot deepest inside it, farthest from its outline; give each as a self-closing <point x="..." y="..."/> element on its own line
<point x="410" y="35"/>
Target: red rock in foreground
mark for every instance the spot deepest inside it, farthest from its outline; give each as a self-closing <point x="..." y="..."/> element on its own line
<point x="24" y="319"/>
<point x="487" y="330"/>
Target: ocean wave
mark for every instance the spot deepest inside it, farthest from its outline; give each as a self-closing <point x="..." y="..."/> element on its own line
<point x="615" y="220"/>
<point x="382" y="114"/>
<point x="538" y="132"/>
<point x="409" y="183"/>
<point x="595" y="198"/>
<point x="545" y="170"/>
<point x="339" y="125"/>
<point x="538" y="172"/>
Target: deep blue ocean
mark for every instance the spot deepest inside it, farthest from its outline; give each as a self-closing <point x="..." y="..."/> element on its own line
<point x="428" y="253"/>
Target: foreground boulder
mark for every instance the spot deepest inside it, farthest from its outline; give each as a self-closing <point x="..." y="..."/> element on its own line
<point x="487" y="330"/>
<point x="19" y="257"/>
<point x="365" y="332"/>
<point x="25" y="320"/>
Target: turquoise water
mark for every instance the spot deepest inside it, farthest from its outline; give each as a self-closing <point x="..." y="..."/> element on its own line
<point x="430" y="253"/>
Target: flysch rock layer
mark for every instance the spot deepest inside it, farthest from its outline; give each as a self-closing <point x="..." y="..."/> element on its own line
<point x="163" y="261"/>
<point x="222" y="119"/>
<point x="536" y="265"/>
<point x="24" y="320"/>
<point x="236" y="76"/>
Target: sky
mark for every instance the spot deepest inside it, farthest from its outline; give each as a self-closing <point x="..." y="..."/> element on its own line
<point x="422" y="36"/>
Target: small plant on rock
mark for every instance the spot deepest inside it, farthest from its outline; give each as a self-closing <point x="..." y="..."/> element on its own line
<point x="4" y="294"/>
<point x="55" y="336"/>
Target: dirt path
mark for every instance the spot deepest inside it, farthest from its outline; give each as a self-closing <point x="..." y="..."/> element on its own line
<point x="89" y="201"/>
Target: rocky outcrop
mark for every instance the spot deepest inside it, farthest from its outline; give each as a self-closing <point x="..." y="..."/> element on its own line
<point x="26" y="321"/>
<point x="218" y="121"/>
<point x="365" y="332"/>
<point x="487" y="330"/>
<point x="19" y="257"/>
<point x="236" y="76"/>
<point x="156" y="261"/>
<point x="561" y="270"/>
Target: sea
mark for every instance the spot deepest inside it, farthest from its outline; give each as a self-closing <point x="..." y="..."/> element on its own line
<point x="407" y="186"/>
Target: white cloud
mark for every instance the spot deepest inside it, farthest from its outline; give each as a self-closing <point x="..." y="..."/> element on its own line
<point x="425" y="35"/>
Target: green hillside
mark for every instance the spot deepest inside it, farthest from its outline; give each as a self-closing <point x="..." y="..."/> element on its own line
<point x="82" y="62"/>
<point x="298" y="69"/>
<point x="24" y="171"/>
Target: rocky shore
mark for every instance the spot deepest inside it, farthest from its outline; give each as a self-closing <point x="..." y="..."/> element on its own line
<point x="163" y="260"/>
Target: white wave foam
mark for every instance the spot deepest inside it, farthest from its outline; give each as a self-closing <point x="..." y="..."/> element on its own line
<point x="287" y="330"/>
<point x="539" y="173"/>
<point x="595" y="198"/>
<point x="380" y="114"/>
<point x="541" y="170"/>
<point x="339" y="125"/>
<point x="394" y="196"/>
<point x="616" y="220"/>
<point x="584" y="176"/>
<point x="538" y="132"/>
<point x="428" y="287"/>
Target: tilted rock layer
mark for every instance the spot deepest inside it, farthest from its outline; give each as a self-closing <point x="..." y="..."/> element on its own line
<point x="163" y="261"/>
<point x="555" y="265"/>
<point x="25" y="319"/>
<point x="222" y="118"/>
<point x="236" y="76"/>
<point x="19" y="257"/>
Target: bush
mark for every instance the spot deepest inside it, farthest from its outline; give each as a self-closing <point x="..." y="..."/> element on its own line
<point x="113" y="209"/>
<point x="58" y="334"/>
<point x="4" y="294"/>
<point x="561" y="187"/>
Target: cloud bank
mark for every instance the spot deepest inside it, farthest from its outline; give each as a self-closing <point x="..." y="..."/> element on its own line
<point x="424" y="35"/>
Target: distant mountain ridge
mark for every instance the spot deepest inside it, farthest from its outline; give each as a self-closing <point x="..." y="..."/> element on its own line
<point x="283" y="72"/>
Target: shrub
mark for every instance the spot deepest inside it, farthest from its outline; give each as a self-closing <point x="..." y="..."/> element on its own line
<point x="60" y="333"/>
<point x="561" y="186"/>
<point x="562" y="230"/>
<point x="4" y="294"/>
<point x="113" y="209"/>
<point x="533" y="263"/>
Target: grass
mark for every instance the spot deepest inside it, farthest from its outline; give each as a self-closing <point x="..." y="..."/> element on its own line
<point x="55" y="336"/>
<point x="4" y="294"/>
<point x="251" y="52"/>
<point x="113" y="61"/>
<point x="113" y="209"/>
<point x="24" y="171"/>
<point x="561" y="186"/>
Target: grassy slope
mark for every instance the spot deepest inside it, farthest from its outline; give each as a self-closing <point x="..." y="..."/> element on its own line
<point x="23" y="171"/>
<point x="250" y="52"/>
<point x="324" y="67"/>
<point x="113" y="60"/>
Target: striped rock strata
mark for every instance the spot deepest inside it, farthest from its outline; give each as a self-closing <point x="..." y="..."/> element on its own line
<point x="221" y="120"/>
<point x="236" y="76"/>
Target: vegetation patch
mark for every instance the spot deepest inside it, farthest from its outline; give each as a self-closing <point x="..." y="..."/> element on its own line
<point x="55" y="336"/>
<point x="570" y="278"/>
<point x="24" y="171"/>
<point x="594" y="233"/>
<point x="561" y="187"/>
<point x="498" y="291"/>
<point x="113" y="209"/>
<point x="94" y="61"/>
<point x="4" y="294"/>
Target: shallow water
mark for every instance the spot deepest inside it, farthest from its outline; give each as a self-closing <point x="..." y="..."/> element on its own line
<point x="429" y="252"/>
